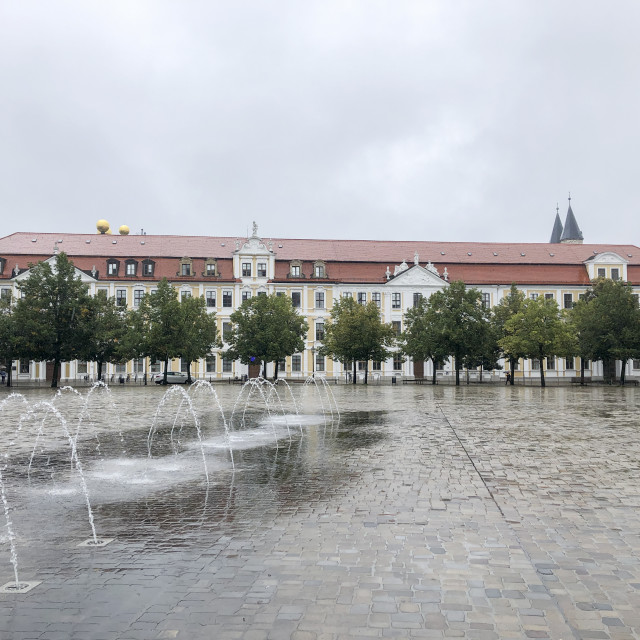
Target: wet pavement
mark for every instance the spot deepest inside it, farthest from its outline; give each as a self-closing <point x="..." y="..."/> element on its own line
<point x="477" y="512"/>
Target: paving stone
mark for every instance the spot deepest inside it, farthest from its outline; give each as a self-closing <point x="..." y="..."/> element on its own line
<point x="426" y="513"/>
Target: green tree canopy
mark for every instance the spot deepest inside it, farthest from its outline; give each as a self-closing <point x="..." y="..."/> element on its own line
<point x="355" y="332"/>
<point x="421" y="338"/>
<point x="50" y="317"/>
<point x="106" y="329"/>
<point x="500" y="315"/>
<point x="606" y="323"/>
<point x="266" y="329"/>
<point x="538" y="331"/>
<point x="462" y="325"/>
<point x="199" y="331"/>
<point x="156" y="325"/>
<point x="7" y="336"/>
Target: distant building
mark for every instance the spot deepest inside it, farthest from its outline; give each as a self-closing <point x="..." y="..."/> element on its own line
<point x="314" y="273"/>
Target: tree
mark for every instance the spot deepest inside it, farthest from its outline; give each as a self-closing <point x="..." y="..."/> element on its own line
<point x="106" y="332"/>
<point x="501" y="314"/>
<point x="199" y="331"/>
<point x="462" y="324"/>
<point x="266" y="328"/>
<point x="484" y="352"/>
<point x="607" y="325"/>
<point x="7" y="336"/>
<point x="50" y="317"/>
<point x="538" y="331"/>
<point x="355" y="332"/>
<point x="157" y="323"/>
<point x="421" y="338"/>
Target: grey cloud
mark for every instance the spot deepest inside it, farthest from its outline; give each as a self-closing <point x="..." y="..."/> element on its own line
<point x="440" y="120"/>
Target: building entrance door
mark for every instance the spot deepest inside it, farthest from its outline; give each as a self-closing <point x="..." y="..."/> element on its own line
<point x="418" y="369"/>
<point x="49" y="371"/>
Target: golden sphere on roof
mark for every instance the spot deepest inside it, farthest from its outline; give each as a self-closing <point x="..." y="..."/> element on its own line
<point x="102" y="226"/>
<point x="123" y="230"/>
<point x="108" y="232"/>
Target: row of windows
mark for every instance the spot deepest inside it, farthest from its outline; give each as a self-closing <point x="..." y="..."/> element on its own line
<point x="296" y="365"/>
<point x="261" y="269"/>
<point x="138" y="294"/>
<point x="615" y="273"/>
<point x="148" y="267"/>
<point x="296" y="298"/>
<point x="130" y="267"/>
<point x="319" y="269"/>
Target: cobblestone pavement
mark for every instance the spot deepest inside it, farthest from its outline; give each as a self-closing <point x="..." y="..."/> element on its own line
<point x="478" y="512"/>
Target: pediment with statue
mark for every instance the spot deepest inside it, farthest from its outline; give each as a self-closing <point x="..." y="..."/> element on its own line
<point x="254" y="245"/>
<point x="417" y="275"/>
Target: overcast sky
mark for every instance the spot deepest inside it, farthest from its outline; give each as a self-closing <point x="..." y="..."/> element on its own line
<point x="432" y="120"/>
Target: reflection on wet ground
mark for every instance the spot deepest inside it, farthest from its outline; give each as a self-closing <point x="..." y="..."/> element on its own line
<point x="481" y="512"/>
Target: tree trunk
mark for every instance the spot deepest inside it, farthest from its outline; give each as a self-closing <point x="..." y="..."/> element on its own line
<point x="457" y="365"/>
<point x="99" y="362"/>
<point x="623" y="366"/>
<point x="512" y="366"/>
<point x="542" y="382"/>
<point x="609" y="370"/>
<point x="275" y="369"/>
<point x="54" y="377"/>
<point x="9" y="371"/>
<point x="366" y="373"/>
<point x="581" y="371"/>
<point x="355" y="364"/>
<point x="480" y="373"/>
<point x="264" y="369"/>
<point x="189" y="380"/>
<point x="166" y="370"/>
<point x="433" y="378"/>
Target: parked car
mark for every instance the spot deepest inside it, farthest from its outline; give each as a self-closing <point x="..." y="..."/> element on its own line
<point x="173" y="377"/>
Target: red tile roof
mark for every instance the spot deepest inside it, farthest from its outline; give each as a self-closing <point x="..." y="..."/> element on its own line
<point x="347" y="261"/>
<point x="522" y="275"/>
<point x="383" y="251"/>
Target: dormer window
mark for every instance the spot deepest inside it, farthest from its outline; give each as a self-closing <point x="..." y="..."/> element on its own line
<point x="3" y="262"/>
<point x="295" y="269"/>
<point x="210" y="267"/>
<point x="262" y="269"/>
<point x="186" y="267"/>
<point x="130" y="267"/>
<point x="246" y="269"/>
<point x="148" y="267"/>
<point x="319" y="269"/>
<point x="615" y="274"/>
<point x="112" y="267"/>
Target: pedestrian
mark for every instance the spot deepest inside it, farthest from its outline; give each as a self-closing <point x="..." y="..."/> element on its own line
<point x="508" y="379"/>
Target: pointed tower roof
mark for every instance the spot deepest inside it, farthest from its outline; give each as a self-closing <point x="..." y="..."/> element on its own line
<point x="571" y="233"/>
<point x="556" y="234"/>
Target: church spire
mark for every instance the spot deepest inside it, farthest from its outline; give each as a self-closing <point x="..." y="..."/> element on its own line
<point x="571" y="233"/>
<point x="556" y="234"/>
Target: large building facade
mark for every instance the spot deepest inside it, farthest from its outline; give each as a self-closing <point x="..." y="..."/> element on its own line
<point x="315" y="273"/>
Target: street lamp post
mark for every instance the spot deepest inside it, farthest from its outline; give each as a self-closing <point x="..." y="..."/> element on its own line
<point x="313" y="361"/>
